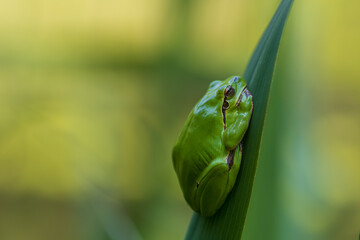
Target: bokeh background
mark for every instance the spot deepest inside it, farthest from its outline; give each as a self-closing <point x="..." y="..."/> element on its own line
<point x="94" y="93"/>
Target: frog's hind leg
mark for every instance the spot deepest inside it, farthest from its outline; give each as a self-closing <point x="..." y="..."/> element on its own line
<point x="212" y="189"/>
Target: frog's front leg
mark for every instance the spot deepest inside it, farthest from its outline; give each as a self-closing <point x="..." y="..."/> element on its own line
<point x="238" y="122"/>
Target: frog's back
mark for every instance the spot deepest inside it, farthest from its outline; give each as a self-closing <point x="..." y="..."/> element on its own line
<point x="199" y="143"/>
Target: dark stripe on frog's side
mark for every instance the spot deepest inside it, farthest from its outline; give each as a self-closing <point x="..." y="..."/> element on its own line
<point x="223" y="109"/>
<point x="230" y="158"/>
<point x="231" y="155"/>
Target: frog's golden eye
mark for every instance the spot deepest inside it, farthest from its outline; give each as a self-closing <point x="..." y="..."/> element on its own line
<point x="229" y="91"/>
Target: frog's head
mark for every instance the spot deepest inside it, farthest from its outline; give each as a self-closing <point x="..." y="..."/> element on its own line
<point x="236" y="108"/>
<point x="232" y="89"/>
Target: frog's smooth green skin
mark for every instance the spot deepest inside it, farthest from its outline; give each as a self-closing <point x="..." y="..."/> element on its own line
<point x="208" y="152"/>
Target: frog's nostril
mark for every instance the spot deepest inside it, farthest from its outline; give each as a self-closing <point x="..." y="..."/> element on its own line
<point x="236" y="79"/>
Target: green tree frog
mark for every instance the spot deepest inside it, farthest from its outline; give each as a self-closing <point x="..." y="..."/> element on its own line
<point x="207" y="154"/>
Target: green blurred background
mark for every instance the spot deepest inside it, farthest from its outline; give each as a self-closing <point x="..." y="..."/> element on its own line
<point x="94" y="93"/>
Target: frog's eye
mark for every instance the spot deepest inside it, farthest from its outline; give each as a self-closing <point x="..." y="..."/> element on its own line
<point x="229" y="91"/>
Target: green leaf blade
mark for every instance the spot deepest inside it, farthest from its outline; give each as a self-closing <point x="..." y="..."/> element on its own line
<point x="229" y="222"/>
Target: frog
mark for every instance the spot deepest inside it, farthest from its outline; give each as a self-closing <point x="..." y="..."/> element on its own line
<point x="208" y="151"/>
